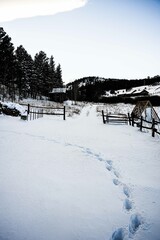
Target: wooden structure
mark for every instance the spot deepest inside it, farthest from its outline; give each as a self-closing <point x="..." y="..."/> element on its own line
<point x="145" y="117"/>
<point x="145" y="109"/>
<point x="58" y="95"/>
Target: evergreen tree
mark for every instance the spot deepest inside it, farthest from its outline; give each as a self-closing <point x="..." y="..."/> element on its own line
<point x="42" y="73"/>
<point x="58" y="74"/>
<point x="52" y="74"/>
<point x="7" y="64"/>
<point x="24" y="71"/>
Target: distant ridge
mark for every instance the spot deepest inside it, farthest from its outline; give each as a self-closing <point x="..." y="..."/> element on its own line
<point x="98" y="89"/>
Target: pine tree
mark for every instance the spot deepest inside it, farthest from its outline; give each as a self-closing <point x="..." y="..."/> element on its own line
<point x="52" y="74"/>
<point x="58" y="74"/>
<point x="42" y="73"/>
<point x="24" y="71"/>
<point x="7" y="63"/>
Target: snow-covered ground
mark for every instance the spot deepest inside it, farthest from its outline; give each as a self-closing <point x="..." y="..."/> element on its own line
<point x="78" y="180"/>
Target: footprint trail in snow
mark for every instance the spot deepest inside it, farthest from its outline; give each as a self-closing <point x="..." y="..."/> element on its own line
<point x="135" y="219"/>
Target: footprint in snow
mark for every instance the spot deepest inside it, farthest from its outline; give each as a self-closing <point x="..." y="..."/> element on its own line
<point x="108" y="167"/>
<point x="135" y="221"/>
<point x="127" y="204"/>
<point x="122" y="234"/>
<point x="109" y="162"/>
<point x="98" y="157"/>
<point x="119" y="234"/>
<point x="116" y="181"/>
<point x="116" y="174"/>
<point x="89" y="151"/>
<point x="126" y="191"/>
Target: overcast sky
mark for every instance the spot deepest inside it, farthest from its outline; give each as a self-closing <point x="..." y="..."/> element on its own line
<point x="105" y="38"/>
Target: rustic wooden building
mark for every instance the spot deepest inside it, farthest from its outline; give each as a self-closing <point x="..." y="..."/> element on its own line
<point x="58" y="95"/>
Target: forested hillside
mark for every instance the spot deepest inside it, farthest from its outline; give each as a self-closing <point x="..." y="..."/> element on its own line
<point x="92" y="88"/>
<point x="24" y="76"/>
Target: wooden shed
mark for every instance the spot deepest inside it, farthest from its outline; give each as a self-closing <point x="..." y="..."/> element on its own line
<point x="58" y="95"/>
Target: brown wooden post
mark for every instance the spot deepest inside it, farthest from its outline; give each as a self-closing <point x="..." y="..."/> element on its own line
<point x="132" y="121"/>
<point x="103" y="117"/>
<point x="28" y="110"/>
<point x="129" y="118"/>
<point x="64" y="113"/>
<point x="141" y="124"/>
<point x="107" y="118"/>
<point x="153" y="128"/>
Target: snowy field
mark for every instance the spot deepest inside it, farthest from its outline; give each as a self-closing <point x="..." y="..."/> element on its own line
<point x="78" y="179"/>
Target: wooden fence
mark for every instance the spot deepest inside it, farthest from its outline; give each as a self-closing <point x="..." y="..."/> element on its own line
<point x="140" y="122"/>
<point x="133" y="121"/>
<point x="115" y="118"/>
<point x="35" y="112"/>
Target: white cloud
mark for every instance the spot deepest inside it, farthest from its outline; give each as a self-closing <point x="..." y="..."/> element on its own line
<point x="13" y="9"/>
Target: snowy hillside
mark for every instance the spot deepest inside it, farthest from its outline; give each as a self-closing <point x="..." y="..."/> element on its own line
<point x="142" y="90"/>
<point x="78" y="179"/>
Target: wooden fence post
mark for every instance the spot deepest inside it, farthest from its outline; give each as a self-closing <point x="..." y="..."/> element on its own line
<point x="28" y="110"/>
<point x="103" y="117"/>
<point x="107" y="118"/>
<point x="153" y="128"/>
<point x="64" y="113"/>
<point x="129" y="118"/>
<point x="141" y="123"/>
<point x="132" y="121"/>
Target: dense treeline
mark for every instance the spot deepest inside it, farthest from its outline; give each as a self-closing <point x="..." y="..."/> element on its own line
<point x="22" y="76"/>
<point x="92" y="88"/>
